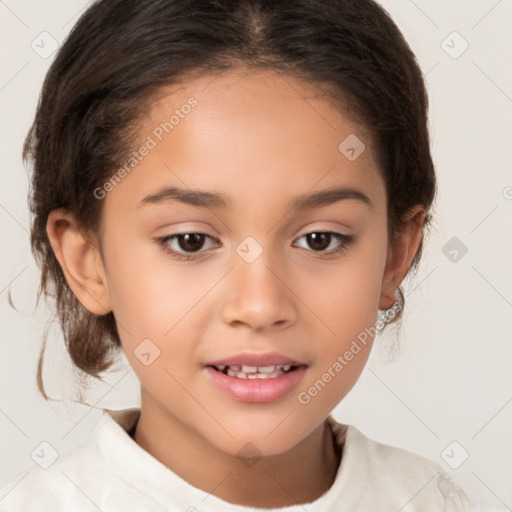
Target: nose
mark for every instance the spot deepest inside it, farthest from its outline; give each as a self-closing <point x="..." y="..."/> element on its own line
<point x="260" y="296"/>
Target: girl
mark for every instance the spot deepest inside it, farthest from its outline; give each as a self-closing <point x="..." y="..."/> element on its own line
<point x="229" y="192"/>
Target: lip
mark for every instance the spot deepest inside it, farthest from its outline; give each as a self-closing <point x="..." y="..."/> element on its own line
<point x="257" y="391"/>
<point x="256" y="359"/>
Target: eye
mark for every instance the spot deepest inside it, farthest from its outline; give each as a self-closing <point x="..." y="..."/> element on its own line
<point x="320" y="240"/>
<point x="189" y="243"/>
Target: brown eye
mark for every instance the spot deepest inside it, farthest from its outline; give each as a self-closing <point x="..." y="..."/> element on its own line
<point x="184" y="245"/>
<point x="318" y="241"/>
<point x="190" y="241"/>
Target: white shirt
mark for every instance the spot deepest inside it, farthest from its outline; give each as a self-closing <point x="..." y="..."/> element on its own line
<point x="111" y="472"/>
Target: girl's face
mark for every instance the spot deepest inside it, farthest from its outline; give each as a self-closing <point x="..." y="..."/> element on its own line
<point x="227" y="157"/>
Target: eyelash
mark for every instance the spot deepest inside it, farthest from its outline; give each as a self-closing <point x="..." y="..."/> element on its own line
<point x="346" y="240"/>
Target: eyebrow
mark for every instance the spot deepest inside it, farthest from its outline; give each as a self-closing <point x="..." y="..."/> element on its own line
<point x="214" y="200"/>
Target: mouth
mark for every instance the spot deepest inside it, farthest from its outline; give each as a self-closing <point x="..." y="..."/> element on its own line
<point x="256" y="378"/>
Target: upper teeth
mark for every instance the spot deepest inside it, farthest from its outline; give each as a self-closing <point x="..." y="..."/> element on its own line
<point x="254" y="372"/>
<point x="254" y="369"/>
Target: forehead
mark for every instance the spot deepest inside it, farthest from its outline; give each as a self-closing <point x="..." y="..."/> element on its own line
<point x="248" y="134"/>
<point x="270" y="102"/>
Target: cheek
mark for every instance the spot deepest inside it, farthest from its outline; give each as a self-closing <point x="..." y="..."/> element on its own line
<point x="152" y="295"/>
<point x="348" y="305"/>
<point x="139" y="289"/>
<point x="351" y="287"/>
<point x="154" y="302"/>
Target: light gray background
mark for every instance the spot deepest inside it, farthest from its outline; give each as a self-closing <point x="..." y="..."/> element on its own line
<point x="451" y="381"/>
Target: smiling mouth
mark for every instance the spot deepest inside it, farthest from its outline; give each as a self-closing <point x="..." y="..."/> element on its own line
<point x="255" y="372"/>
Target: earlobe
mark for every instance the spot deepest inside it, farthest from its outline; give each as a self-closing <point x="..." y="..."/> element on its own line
<point x="80" y="261"/>
<point x="401" y="252"/>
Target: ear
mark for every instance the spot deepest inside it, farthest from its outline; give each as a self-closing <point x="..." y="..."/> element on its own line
<point x="401" y="251"/>
<point x="80" y="261"/>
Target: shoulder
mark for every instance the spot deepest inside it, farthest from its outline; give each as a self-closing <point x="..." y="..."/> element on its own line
<point x="76" y="480"/>
<point x="37" y="488"/>
<point x="380" y="473"/>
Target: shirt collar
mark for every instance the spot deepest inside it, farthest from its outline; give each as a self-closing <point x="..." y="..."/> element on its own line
<point x="143" y="471"/>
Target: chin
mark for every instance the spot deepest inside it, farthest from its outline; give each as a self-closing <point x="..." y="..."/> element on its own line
<point x="264" y="440"/>
<point x="251" y="448"/>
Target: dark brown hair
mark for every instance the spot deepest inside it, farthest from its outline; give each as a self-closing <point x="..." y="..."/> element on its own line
<point x="121" y="52"/>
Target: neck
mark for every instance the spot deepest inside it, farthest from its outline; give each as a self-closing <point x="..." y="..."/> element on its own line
<point x="272" y="481"/>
